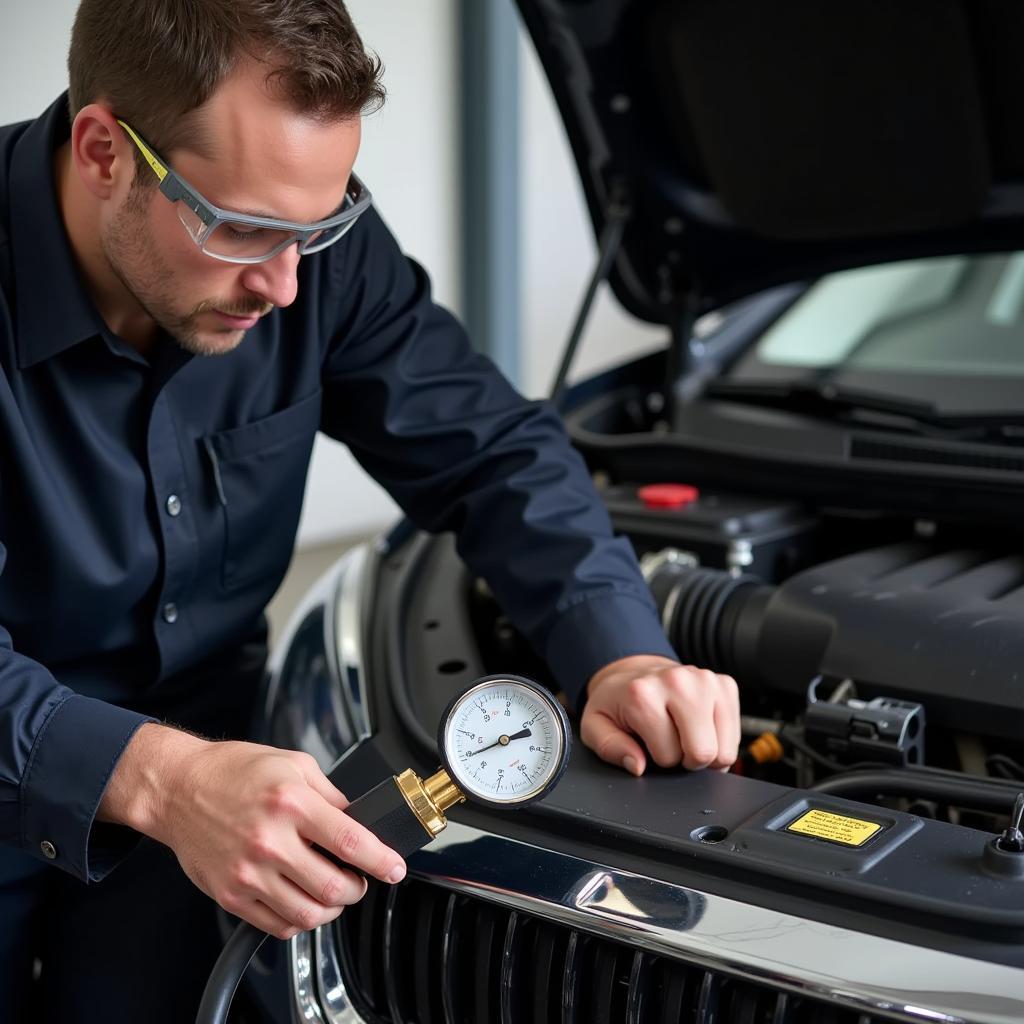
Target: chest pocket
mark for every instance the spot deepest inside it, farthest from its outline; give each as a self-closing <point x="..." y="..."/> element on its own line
<point x="259" y="474"/>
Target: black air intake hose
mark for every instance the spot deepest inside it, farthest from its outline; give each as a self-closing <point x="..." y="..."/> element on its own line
<point x="712" y="618"/>
<point x="942" y="628"/>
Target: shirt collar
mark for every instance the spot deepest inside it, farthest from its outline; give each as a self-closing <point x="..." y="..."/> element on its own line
<point x="53" y="307"/>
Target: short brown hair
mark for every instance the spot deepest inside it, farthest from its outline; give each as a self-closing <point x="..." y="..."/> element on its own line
<point x="158" y="61"/>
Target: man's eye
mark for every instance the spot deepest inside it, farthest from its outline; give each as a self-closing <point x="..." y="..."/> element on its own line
<point x="242" y="233"/>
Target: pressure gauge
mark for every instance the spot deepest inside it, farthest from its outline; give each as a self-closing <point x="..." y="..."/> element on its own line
<point x="504" y="741"/>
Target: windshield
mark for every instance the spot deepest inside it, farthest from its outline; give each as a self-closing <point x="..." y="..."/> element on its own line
<point x="948" y="331"/>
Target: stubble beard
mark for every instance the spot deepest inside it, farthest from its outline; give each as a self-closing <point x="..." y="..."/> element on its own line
<point x="151" y="282"/>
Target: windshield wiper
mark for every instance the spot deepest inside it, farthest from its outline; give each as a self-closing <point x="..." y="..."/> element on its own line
<point x="828" y="399"/>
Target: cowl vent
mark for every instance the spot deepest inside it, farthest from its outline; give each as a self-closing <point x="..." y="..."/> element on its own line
<point x="902" y="451"/>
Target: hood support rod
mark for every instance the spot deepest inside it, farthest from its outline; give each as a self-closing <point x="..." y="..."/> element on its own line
<point x="616" y="217"/>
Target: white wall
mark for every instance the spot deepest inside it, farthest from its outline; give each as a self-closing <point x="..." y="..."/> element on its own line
<point x="409" y="158"/>
<point x="33" y="55"/>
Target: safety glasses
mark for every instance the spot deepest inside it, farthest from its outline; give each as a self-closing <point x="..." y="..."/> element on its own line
<point x="240" y="237"/>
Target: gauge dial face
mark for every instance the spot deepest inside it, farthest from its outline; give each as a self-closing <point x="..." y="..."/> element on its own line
<point x="504" y="741"/>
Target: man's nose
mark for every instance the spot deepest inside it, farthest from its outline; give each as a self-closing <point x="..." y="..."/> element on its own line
<point x="276" y="280"/>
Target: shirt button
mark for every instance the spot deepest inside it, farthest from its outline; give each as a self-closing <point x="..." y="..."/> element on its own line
<point x="49" y="851"/>
<point x="173" y="505"/>
<point x="170" y="612"/>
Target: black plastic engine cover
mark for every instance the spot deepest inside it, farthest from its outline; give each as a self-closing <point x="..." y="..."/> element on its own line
<point x="945" y="628"/>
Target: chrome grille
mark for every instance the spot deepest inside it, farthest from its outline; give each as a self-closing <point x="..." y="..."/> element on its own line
<point x="419" y="954"/>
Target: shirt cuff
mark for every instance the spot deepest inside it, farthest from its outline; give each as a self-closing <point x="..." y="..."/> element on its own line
<point x="597" y="631"/>
<point x="70" y="765"/>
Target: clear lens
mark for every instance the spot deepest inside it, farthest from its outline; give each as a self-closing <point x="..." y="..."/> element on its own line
<point x="322" y="239"/>
<point x="245" y="241"/>
<point x="193" y="224"/>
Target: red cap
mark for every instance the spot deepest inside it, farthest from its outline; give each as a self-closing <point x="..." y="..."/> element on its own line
<point x="668" y="495"/>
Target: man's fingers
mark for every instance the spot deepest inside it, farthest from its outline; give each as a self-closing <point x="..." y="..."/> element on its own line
<point x="260" y="915"/>
<point x="316" y="779"/>
<point x="322" y="880"/>
<point x="645" y="711"/>
<point x="683" y="714"/>
<point x="691" y="708"/>
<point x="292" y="903"/>
<point x="611" y="743"/>
<point x="350" y="842"/>
<point x="727" y="722"/>
<point x="338" y="834"/>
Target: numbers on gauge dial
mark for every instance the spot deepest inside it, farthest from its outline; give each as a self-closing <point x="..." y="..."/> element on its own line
<point x="504" y="742"/>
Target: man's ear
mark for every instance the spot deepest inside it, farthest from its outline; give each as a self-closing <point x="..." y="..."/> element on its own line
<point x="101" y="151"/>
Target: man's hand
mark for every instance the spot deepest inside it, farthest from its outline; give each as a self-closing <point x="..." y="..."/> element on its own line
<point x="241" y="818"/>
<point x="683" y="714"/>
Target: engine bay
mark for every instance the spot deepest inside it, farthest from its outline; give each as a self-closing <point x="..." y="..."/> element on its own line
<point x="858" y="795"/>
<point x="878" y="659"/>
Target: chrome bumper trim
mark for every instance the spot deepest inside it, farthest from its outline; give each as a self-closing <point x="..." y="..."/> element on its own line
<point x="334" y="1001"/>
<point x="853" y="969"/>
<point x="349" y="639"/>
<point x="305" y="1006"/>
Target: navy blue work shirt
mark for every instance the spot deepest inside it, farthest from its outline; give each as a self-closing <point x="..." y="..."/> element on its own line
<point x="148" y="508"/>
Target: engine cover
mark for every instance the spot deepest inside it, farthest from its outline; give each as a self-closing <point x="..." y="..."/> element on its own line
<point x="945" y="628"/>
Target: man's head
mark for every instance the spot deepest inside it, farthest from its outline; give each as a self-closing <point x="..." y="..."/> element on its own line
<point x="255" y="103"/>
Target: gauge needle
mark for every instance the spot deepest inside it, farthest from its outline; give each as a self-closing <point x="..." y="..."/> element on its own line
<point x="503" y="741"/>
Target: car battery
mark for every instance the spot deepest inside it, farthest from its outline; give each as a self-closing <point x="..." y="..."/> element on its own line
<point x="722" y="530"/>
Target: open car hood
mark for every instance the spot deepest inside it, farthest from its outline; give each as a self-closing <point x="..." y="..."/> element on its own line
<point x="755" y="144"/>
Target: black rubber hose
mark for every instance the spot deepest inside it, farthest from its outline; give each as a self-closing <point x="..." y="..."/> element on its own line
<point x="227" y="972"/>
<point x="701" y="610"/>
<point x="986" y="795"/>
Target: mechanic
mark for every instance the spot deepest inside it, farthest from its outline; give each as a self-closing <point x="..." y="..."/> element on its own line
<point x="161" y="387"/>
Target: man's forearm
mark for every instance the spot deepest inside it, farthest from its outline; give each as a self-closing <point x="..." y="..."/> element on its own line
<point x="147" y="775"/>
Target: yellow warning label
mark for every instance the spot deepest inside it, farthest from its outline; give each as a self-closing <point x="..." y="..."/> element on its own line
<point x="837" y="828"/>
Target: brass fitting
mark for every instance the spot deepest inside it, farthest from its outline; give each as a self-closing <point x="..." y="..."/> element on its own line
<point x="443" y="791"/>
<point x="429" y="800"/>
